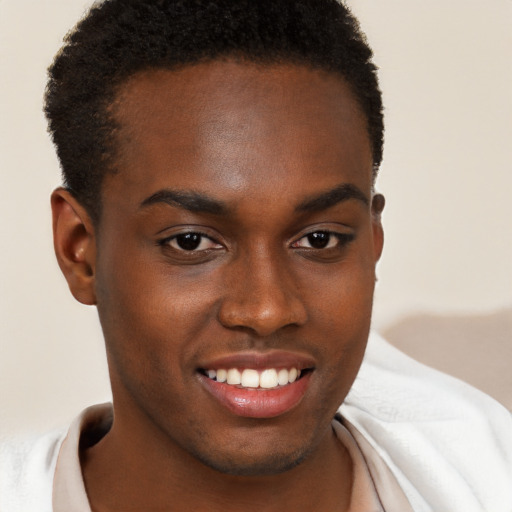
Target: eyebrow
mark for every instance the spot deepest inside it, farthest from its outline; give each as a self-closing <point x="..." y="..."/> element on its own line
<point x="191" y="201"/>
<point x="331" y="197"/>
<point x="201" y="203"/>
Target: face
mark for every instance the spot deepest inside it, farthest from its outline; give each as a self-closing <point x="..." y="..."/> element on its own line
<point x="235" y="259"/>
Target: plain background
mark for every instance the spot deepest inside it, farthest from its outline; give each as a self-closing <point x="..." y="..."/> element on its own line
<point x="446" y="75"/>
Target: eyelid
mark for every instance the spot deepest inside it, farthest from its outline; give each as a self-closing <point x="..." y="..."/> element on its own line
<point x="189" y="230"/>
<point x="333" y="228"/>
<point x="342" y="239"/>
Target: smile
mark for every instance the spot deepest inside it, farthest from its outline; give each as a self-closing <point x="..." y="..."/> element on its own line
<point x="267" y="378"/>
<point x="258" y="385"/>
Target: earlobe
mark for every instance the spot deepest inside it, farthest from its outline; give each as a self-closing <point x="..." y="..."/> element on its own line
<point x="378" y="203"/>
<point x="75" y="245"/>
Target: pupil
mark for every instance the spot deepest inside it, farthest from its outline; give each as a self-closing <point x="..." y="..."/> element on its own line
<point x="319" y="240"/>
<point x="188" y="241"/>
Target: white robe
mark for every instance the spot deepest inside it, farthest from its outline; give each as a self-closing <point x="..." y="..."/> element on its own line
<point x="448" y="444"/>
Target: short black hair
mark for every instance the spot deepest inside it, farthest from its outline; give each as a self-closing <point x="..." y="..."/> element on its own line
<point x="119" y="38"/>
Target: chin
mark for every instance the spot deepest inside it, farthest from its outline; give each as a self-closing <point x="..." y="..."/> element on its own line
<point x="244" y="465"/>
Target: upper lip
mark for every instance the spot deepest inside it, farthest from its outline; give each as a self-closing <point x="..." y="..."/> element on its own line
<point x="260" y="360"/>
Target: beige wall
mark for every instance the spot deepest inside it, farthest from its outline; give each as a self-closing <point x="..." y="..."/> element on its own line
<point x="446" y="73"/>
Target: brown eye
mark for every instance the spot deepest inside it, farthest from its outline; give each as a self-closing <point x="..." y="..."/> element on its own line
<point x="319" y="240"/>
<point x="190" y="242"/>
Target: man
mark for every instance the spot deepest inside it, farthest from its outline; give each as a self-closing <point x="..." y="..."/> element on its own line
<point x="219" y="209"/>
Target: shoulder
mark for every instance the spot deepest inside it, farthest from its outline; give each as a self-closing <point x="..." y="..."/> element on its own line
<point x="448" y="444"/>
<point x="27" y="468"/>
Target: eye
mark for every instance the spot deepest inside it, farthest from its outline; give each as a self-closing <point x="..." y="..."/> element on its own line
<point x="191" y="242"/>
<point x="323" y="240"/>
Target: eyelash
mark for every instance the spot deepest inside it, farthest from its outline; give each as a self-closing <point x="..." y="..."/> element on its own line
<point x="166" y="242"/>
<point x="343" y="240"/>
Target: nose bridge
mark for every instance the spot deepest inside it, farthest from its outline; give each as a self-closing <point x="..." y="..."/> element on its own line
<point x="261" y="294"/>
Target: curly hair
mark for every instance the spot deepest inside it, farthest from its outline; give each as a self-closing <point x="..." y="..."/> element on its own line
<point x="119" y="38"/>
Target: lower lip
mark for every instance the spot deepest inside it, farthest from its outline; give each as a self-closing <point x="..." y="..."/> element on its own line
<point x="258" y="403"/>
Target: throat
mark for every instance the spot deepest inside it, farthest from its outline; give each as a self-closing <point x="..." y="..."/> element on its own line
<point x="118" y="478"/>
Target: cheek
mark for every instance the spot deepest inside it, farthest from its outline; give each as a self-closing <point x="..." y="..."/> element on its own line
<point x="150" y="318"/>
<point x="341" y="312"/>
<point x="342" y="294"/>
<point x="151" y="327"/>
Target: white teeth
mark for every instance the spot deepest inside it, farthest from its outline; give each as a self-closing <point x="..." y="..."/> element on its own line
<point x="268" y="379"/>
<point x="251" y="378"/>
<point x="234" y="377"/>
<point x="282" y="377"/>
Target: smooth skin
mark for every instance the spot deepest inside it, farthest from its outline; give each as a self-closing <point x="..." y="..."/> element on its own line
<point x="242" y="219"/>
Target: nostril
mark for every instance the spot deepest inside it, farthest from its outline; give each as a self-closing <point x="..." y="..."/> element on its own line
<point x="262" y="318"/>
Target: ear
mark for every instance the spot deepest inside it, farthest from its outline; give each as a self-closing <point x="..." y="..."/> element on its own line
<point x="75" y="245"/>
<point x="378" y="203"/>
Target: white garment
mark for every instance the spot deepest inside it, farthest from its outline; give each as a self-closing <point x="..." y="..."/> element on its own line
<point x="448" y="445"/>
<point x="26" y="473"/>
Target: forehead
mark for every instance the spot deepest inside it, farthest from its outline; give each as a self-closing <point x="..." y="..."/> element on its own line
<point x="227" y="126"/>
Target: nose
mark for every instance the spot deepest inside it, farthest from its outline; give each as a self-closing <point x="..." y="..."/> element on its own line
<point x="262" y="296"/>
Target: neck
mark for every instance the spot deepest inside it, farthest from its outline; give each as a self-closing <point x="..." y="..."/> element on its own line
<point x="136" y="467"/>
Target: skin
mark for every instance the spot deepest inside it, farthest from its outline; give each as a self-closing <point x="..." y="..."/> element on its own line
<point x="261" y="140"/>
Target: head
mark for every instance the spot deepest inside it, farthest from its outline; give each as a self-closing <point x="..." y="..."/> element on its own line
<point x="219" y="160"/>
<point x="118" y="39"/>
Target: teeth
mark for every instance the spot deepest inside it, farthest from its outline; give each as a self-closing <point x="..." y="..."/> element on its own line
<point x="250" y="378"/>
<point x="234" y="377"/>
<point x="282" y="377"/>
<point x="268" y="379"/>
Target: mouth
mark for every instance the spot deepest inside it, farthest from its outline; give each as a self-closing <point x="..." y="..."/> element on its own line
<point x="256" y="385"/>
<point x="252" y="378"/>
